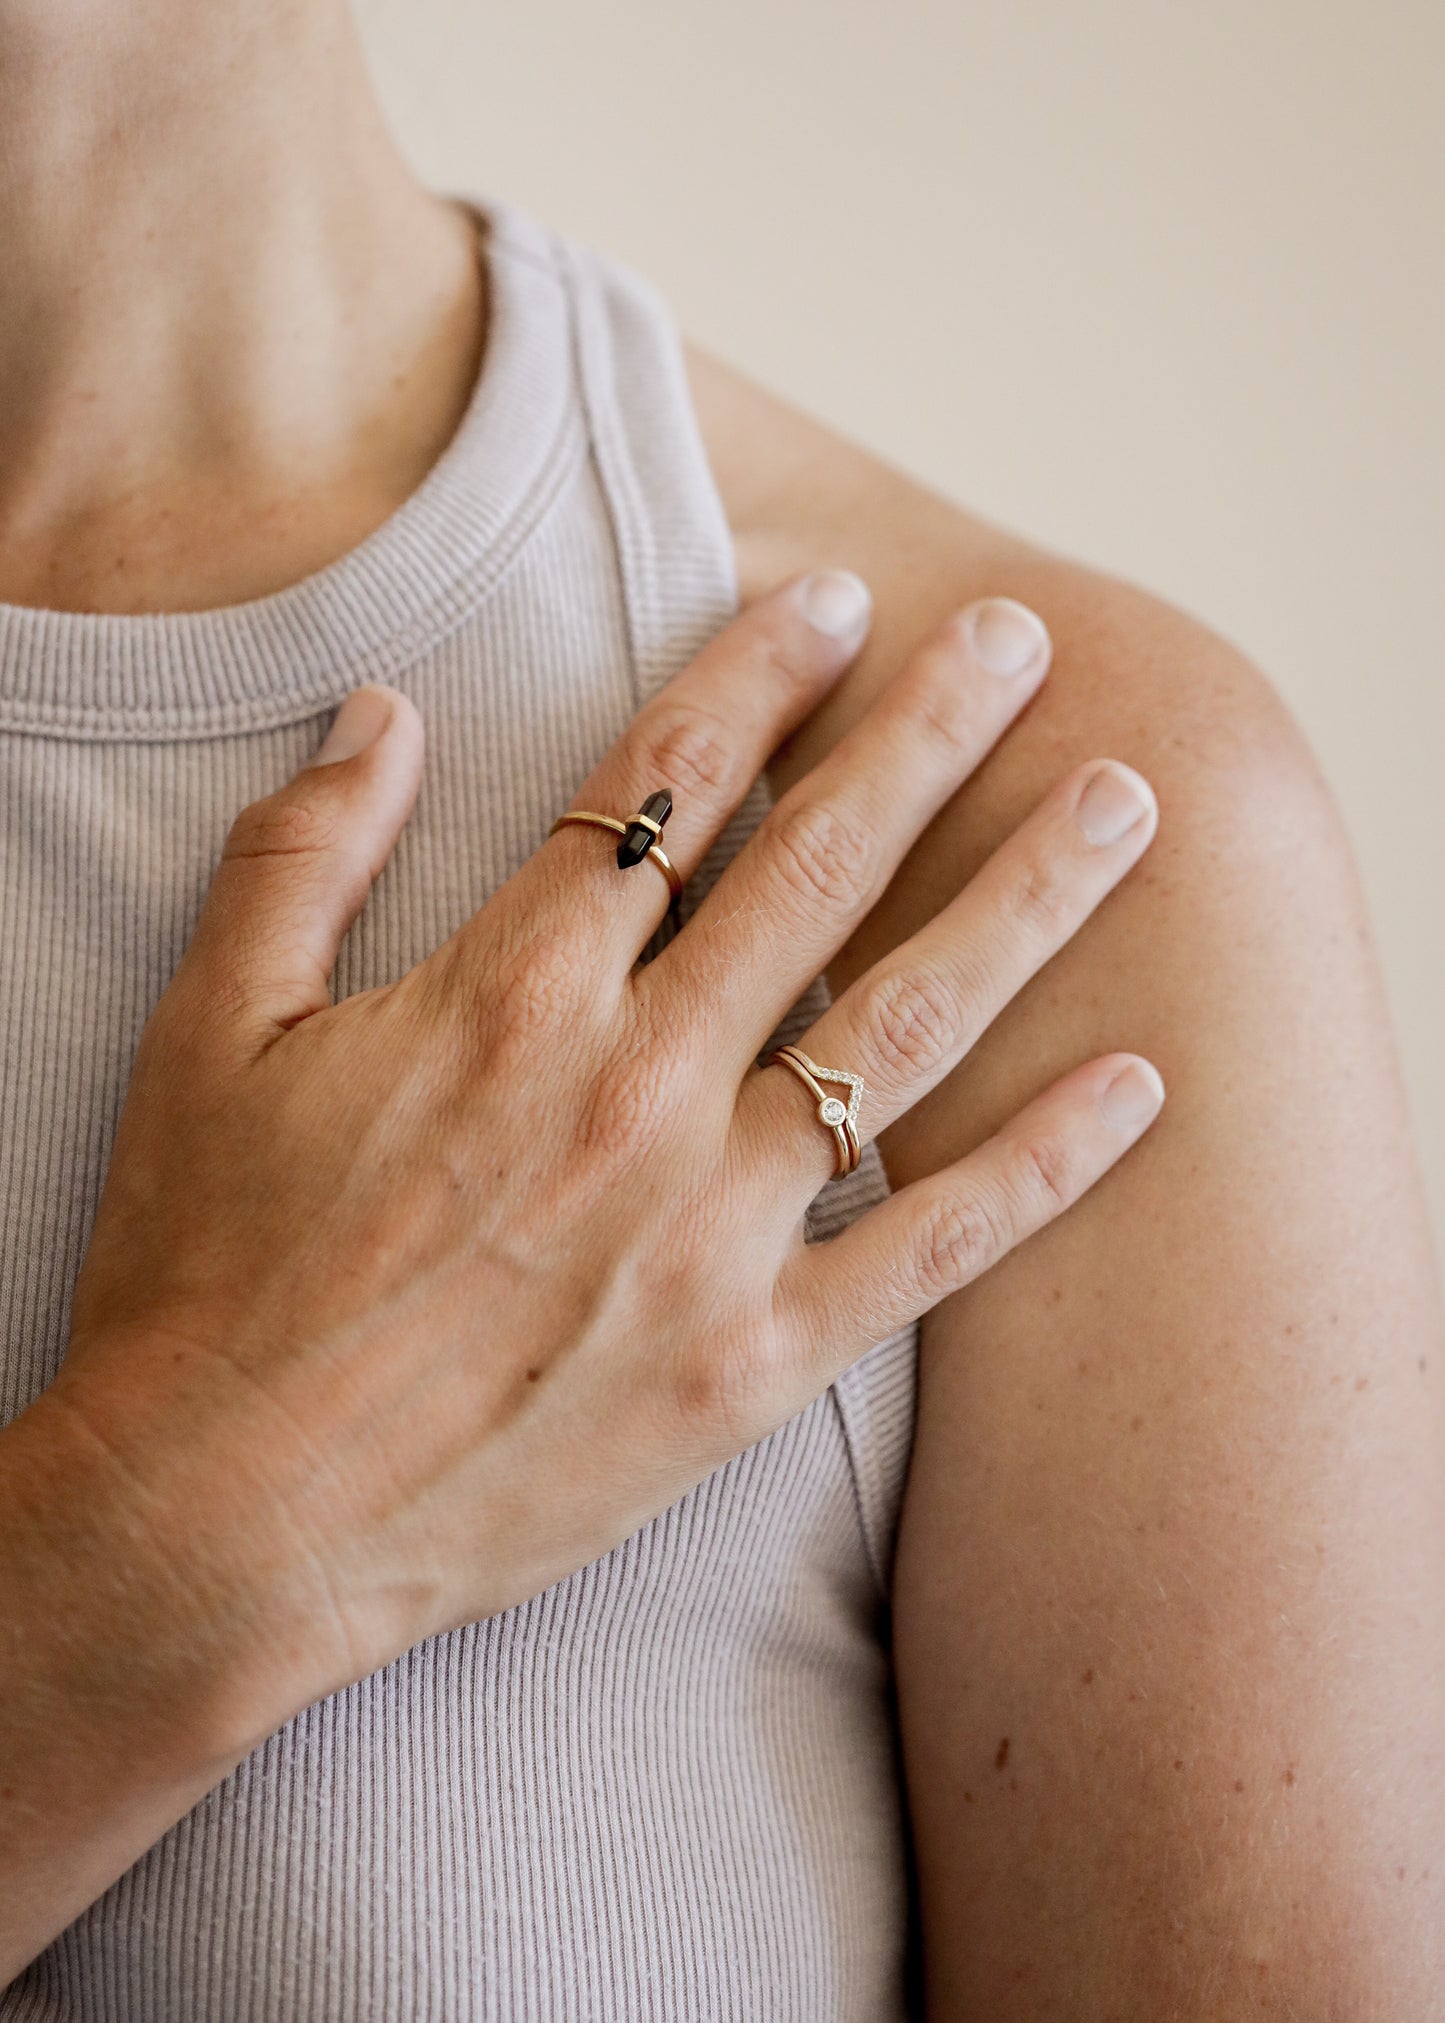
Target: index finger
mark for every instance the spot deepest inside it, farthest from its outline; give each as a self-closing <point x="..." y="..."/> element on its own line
<point x="706" y="737"/>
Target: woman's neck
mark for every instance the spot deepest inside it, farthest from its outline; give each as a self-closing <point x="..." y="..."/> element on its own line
<point x="236" y="332"/>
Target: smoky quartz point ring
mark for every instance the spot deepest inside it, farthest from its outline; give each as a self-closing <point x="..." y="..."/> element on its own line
<point x="640" y="835"/>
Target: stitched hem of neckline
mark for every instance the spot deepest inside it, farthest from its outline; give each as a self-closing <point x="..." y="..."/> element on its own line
<point x="155" y="677"/>
<point x="455" y="606"/>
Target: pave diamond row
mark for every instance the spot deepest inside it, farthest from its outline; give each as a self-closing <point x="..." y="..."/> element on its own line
<point x="853" y="1083"/>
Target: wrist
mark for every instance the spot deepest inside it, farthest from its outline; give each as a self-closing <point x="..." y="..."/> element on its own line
<point x="118" y="1615"/>
<point x="119" y="1709"/>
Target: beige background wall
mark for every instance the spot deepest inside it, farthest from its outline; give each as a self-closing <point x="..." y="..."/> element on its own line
<point x="1160" y="283"/>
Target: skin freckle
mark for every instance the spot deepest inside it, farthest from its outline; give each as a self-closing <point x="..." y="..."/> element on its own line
<point x="1289" y="1773"/>
<point x="1135" y="1425"/>
<point x="1179" y="1763"/>
<point x="1089" y="1677"/>
<point x="1362" y="1383"/>
<point x="1001" y="1757"/>
<point x="1238" y="1784"/>
<point x="533" y="1375"/>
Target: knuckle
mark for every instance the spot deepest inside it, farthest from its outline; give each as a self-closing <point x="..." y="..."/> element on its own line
<point x="691" y="752"/>
<point x="175" y="1039"/>
<point x="1044" y="900"/>
<point x="213" y="1004"/>
<point x="945" y="712"/>
<point x="1045" y="1176"/>
<point x="281" y="826"/>
<point x="628" y="1111"/>
<point x="821" y="855"/>
<point x="779" y="659"/>
<point x="727" y="1386"/>
<point x="200" y="1026"/>
<point x="537" y="988"/>
<point x="915" y="1021"/>
<point x="958" y="1241"/>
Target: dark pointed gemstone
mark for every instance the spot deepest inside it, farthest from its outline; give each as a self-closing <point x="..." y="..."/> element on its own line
<point x="639" y="838"/>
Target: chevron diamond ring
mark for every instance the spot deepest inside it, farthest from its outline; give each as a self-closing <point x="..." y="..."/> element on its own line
<point x="839" y="1117"/>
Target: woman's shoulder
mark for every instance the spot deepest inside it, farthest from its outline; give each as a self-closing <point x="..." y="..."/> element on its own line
<point x="1121" y="1547"/>
<point x="795" y="489"/>
<point x="799" y="495"/>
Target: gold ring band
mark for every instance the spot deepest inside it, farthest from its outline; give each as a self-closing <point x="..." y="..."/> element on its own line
<point x="836" y="1116"/>
<point x="656" y="854"/>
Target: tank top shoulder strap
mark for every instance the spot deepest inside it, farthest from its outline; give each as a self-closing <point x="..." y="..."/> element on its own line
<point x="674" y="547"/>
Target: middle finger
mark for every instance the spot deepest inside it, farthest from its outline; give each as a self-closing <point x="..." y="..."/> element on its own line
<point x="825" y="854"/>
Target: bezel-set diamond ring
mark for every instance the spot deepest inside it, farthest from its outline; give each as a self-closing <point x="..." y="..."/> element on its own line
<point x="833" y="1113"/>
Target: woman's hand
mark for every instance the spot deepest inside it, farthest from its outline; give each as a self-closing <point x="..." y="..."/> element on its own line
<point x="400" y="1310"/>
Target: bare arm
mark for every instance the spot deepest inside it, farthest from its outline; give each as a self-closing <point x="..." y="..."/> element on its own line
<point x="1170" y="1599"/>
<point x="1171" y="1576"/>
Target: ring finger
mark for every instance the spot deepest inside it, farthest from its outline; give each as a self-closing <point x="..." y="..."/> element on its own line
<point x="909" y="1020"/>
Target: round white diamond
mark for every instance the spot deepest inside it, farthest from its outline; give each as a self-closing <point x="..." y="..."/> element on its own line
<point x="833" y="1111"/>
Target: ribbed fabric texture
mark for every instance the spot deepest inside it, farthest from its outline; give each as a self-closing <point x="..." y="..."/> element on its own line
<point x="665" y="1789"/>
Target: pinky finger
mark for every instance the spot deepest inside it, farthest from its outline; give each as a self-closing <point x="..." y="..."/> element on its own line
<point x="940" y="1234"/>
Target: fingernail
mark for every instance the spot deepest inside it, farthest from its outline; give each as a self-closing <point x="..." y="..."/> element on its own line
<point x="837" y="602"/>
<point x="358" y="723"/>
<point x="1113" y="801"/>
<point x="1133" y="1098"/>
<point x="1006" y="637"/>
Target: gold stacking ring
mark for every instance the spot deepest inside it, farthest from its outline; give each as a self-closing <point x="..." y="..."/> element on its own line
<point x="640" y="836"/>
<point x="839" y="1117"/>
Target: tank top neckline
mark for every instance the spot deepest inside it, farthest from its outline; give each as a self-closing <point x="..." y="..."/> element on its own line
<point x="374" y="610"/>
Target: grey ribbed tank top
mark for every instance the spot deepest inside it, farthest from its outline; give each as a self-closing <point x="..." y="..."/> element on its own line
<point x="666" y="1788"/>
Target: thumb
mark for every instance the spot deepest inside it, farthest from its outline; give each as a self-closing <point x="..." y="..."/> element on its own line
<point x="298" y="865"/>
